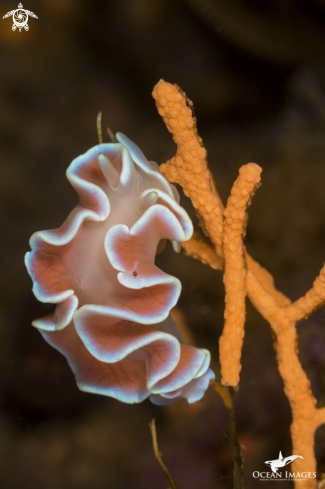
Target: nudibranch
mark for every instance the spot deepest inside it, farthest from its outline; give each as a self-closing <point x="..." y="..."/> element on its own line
<point x="112" y="319"/>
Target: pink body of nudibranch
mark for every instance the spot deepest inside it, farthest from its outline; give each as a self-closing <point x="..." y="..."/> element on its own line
<point x="112" y="317"/>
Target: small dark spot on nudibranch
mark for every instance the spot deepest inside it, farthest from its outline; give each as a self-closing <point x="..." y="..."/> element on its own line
<point x="135" y="273"/>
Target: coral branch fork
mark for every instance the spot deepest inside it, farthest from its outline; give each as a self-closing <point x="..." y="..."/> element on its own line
<point x="242" y="274"/>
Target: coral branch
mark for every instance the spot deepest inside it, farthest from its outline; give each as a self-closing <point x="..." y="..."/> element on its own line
<point x="305" y="416"/>
<point x="262" y="299"/>
<point x="198" y="248"/>
<point x="320" y="416"/>
<point x="189" y="169"/>
<point x="227" y="395"/>
<point x="313" y="299"/>
<point x="266" y="279"/>
<point x="234" y="277"/>
<point x="189" y="166"/>
<point x="152" y="427"/>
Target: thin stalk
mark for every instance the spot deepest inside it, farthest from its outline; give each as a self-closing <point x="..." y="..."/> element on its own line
<point x="152" y="426"/>
<point x="227" y="394"/>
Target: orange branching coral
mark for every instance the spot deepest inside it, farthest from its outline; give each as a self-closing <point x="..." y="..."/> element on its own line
<point x="189" y="169"/>
<point x="189" y="166"/>
<point x="266" y="279"/>
<point x="312" y="300"/>
<point x="234" y="277"/>
<point x="305" y="416"/>
<point x="198" y="248"/>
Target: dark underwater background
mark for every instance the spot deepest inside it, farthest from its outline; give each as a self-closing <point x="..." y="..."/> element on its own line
<point x="255" y="72"/>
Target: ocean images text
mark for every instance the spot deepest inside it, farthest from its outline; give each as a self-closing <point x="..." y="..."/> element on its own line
<point x="286" y="476"/>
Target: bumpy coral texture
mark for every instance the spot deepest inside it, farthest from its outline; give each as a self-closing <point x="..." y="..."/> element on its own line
<point x="189" y="166"/>
<point x="234" y="277"/>
<point x="273" y="305"/>
<point x="112" y="317"/>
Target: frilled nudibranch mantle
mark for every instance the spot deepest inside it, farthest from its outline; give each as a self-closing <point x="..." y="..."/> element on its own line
<point x="112" y="317"/>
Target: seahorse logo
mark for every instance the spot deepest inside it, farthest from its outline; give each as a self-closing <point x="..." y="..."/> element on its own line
<point x="20" y="17"/>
